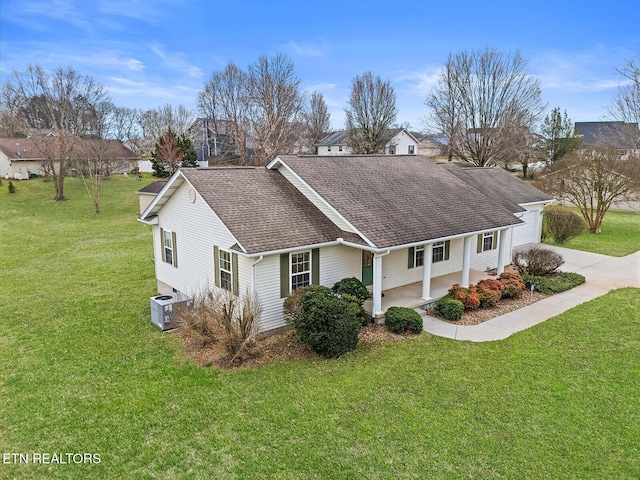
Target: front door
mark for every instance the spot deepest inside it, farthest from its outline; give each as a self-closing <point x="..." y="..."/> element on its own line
<point x="367" y="267"/>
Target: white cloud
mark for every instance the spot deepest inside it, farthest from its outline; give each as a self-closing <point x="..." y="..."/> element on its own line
<point x="419" y="82"/>
<point x="302" y="49"/>
<point x="176" y="62"/>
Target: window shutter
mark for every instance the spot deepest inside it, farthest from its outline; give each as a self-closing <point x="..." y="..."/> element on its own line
<point x="411" y="259"/>
<point x="479" y="244"/>
<point x="495" y="240"/>
<point x="234" y="269"/>
<point x="174" y="249"/>
<point x="447" y="248"/>
<point x="315" y="266"/>
<point x="162" y="244"/>
<point x="284" y="275"/>
<point x="216" y="265"/>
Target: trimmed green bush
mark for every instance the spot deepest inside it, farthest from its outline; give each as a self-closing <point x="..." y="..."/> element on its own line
<point x="401" y="319"/>
<point x="352" y="286"/>
<point x="559" y="283"/>
<point x="353" y="289"/>
<point x="449" y="308"/>
<point x="327" y="323"/>
<point x="562" y="224"/>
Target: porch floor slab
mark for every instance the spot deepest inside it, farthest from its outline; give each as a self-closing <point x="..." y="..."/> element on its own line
<point x="410" y="295"/>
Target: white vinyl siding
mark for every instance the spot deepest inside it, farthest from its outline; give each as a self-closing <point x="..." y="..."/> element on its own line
<point x="336" y="262"/>
<point x="197" y="229"/>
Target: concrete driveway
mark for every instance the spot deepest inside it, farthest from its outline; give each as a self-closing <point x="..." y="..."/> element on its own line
<point x="602" y="274"/>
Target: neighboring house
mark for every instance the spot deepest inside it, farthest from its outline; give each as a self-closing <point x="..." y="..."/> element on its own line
<point x="402" y="143"/>
<point x="215" y="139"/>
<point x="390" y="221"/>
<point x="148" y="193"/>
<point x="618" y="135"/>
<point x="433" y="146"/>
<point x="20" y="158"/>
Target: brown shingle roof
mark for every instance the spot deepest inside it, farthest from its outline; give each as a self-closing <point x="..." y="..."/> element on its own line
<point x="28" y="149"/>
<point x="153" y="188"/>
<point x="396" y="200"/>
<point x="263" y="211"/>
<point x="502" y="186"/>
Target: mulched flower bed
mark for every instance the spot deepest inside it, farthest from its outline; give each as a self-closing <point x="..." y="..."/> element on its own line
<point x="479" y="315"/>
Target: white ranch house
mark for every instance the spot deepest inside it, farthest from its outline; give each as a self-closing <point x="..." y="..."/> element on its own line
<point x="399" y="223"/>
<point x="402" y="143"/>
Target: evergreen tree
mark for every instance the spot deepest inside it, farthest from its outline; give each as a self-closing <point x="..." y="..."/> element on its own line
<point x="189" y="154"/>
<point x="559" y="139"/>
<point x="167" y="155"/>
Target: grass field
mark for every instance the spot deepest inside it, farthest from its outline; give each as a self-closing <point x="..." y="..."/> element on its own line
<point x="620" y="235"/>
<point x="83" y="371"/>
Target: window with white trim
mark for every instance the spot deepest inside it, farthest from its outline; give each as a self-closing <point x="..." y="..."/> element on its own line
<point x="328" y="148"/>
<point x="339" y="148"/>
<point x="419" y="256"/>
<point x="487" y="241"/>
<point x="392" y="149"/>
<point x="300" y="269"/>
<point x="412" y="149"/>
<point x="437" y="254"/>
<point x="167" y="245"/>
<point x="226" y="275"/>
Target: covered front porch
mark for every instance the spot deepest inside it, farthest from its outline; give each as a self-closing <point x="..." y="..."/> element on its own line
<point x="410" y="295"/>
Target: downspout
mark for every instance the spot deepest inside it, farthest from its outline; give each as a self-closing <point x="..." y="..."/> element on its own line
<point x="254" y="278"/>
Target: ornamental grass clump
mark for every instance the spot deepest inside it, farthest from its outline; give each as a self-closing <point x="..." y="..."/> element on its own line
<point x="538" y="261"/>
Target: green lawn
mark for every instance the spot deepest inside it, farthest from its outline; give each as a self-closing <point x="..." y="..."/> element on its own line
<point x="620" y="235"/>
<point x="84" y="371"/>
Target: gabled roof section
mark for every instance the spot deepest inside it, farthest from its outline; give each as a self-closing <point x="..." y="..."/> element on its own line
<point x="334" y="138"/>
<point x="20" y="149"/>
<point x="399" y="199"/>
<point x="261" y="209"/>
<point x="498" y="184"/>
<point x="609" y="134"/>
<point x="153" y="188"/>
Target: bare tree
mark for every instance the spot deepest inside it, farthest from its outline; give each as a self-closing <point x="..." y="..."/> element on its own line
<point x="224" y="101"/>
<point x="558" y="133"/>
<point x="63" y="102"/>
<point x="626" y="106"/>
<point x="155" y="122"/>
<point x="592" y="179"/>
<point x="275" y="105"/>
<point x="316" y="122"/>
<point x="371" y="113"/>
<point x="480" y="95"/>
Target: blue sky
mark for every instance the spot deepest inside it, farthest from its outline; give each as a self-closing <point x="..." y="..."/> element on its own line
<point x="151" y="52"/>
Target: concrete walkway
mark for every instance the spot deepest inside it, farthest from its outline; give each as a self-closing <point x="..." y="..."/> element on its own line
<point x="602" y="274"/>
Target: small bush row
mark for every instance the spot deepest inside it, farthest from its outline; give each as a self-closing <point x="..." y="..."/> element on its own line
<point x="559" y="283"/>
<point x="485" y="294"/>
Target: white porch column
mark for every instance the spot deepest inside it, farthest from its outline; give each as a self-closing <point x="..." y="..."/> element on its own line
<point x="502" y="234"/>
<point x="376" y="309"/>
<point x="466" y="260"/>
<point x="426" y="274"/>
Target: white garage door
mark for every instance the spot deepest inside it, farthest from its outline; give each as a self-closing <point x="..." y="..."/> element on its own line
<point x="527" y="232"/>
